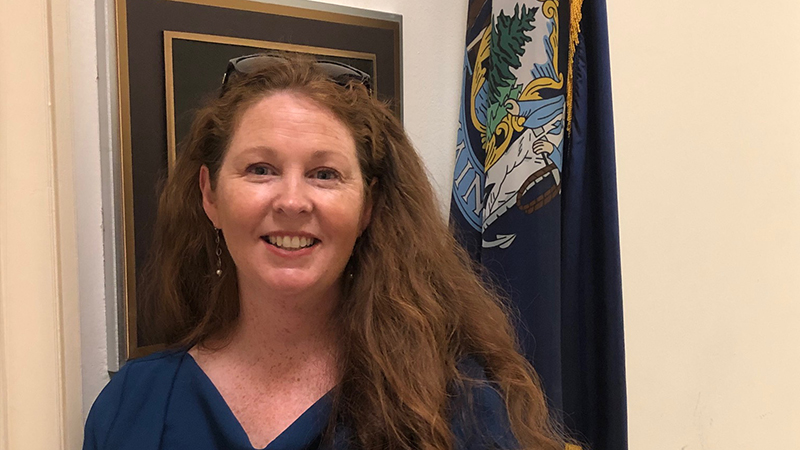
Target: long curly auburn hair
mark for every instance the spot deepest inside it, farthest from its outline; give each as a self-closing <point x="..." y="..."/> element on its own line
<point x="413" y="309"/>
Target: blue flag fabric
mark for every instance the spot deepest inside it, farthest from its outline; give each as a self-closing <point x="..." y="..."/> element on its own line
<point x="591" y="281"/>
<point x="534" y="197"/>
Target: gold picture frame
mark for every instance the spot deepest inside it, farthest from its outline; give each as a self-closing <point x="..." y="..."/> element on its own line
<point x="170" y="53"/>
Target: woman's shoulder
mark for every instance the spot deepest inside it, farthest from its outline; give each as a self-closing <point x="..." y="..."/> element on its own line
<point x="480" y="416"/>
<point x="140" y="389"/>
<point x="141" y="376"/>
<point x="472" y="367"/>
<point x="155" y="364"/>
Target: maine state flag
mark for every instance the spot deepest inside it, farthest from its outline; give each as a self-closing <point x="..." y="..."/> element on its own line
<point x="534" y="197"/>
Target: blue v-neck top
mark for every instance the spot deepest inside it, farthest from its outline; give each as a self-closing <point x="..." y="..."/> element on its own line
<point x="166" y="402"/>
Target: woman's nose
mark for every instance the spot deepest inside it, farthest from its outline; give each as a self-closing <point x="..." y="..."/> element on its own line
<point x="293" y="196"/>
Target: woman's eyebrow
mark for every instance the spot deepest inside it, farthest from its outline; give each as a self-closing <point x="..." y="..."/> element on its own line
<point x="259" y="150"/>
<point x="326" y="154"/>
<point x="315" y="157"/>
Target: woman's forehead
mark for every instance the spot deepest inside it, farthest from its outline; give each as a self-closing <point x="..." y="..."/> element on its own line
<point x="287" y="121"/>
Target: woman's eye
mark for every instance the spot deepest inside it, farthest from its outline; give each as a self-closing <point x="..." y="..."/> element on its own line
<point x="326" y="174"/>
<point x="260" y="170"/>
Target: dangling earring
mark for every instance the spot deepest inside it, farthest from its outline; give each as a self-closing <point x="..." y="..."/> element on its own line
<point x="349" y="272"/>
<point x="218" y="252"/>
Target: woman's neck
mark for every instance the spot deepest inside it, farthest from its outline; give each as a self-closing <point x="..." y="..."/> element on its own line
<point x="282" y="334"/>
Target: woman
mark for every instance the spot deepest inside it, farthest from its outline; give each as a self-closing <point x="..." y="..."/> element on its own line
<point x="311" y="293"/>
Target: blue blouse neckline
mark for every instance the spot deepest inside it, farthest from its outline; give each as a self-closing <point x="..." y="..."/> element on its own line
<point x="166" y="401"/>
<point x="301" y="433"/>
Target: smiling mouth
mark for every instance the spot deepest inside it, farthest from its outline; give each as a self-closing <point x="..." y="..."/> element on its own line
<point x="290" y="242"/>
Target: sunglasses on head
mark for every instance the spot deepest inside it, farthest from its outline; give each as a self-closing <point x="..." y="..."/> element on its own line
<point x="340" y="73"/>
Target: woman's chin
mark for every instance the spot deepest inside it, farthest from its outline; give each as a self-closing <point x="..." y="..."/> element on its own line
<point x="292" y="288"/>
<point x="283" y="281"/>
<point x="297" y="284"/>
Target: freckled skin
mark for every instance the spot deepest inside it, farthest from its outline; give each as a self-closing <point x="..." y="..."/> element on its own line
<point x="291" y="168"/>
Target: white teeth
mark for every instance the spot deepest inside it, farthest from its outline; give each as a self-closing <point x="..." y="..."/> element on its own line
<point x="291" y="242"/>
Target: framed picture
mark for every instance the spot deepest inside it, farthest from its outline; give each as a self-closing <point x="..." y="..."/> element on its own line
<point x="171" y="55"/>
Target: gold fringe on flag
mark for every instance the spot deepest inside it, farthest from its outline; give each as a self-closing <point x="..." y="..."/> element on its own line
<point x="575" y="17"/>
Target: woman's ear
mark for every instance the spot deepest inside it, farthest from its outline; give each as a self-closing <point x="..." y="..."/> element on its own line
<point x="209" y="196"/>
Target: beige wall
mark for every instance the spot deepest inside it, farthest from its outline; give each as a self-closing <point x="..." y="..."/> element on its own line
<point x="40" y="378"/>
<point x="707" y="107"/>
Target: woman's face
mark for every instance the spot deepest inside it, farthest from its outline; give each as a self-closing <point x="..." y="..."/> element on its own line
<point x="289" y="197"/>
